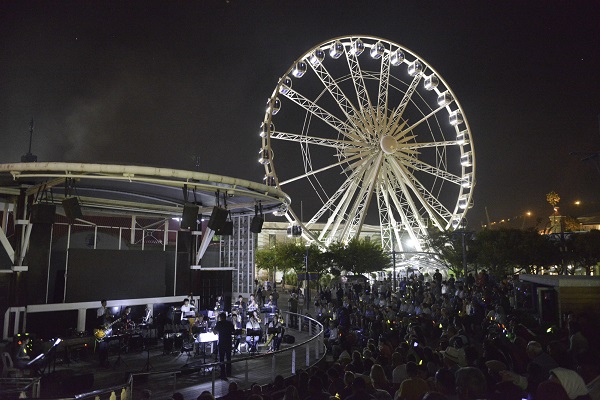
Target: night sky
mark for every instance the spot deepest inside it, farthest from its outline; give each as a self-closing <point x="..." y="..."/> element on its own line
<point x="161" y="83"/>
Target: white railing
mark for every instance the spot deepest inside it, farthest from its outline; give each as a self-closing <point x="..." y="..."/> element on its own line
<point x="303" y="355"/>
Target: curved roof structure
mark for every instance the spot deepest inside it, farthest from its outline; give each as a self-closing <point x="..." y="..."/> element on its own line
<point x="139" y="190"/>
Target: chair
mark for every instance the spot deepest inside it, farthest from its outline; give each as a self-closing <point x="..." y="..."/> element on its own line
<point x="8" y="368"/>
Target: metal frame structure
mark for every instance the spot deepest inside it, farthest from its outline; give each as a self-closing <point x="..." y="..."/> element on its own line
<point x="392" y="129"/>
<point x="151" y="199"/>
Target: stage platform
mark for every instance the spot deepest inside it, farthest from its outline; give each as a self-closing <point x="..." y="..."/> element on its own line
<point x="165" y="371"/>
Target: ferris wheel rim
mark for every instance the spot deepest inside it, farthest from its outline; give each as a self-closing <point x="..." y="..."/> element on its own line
<point x="348" y="40"/>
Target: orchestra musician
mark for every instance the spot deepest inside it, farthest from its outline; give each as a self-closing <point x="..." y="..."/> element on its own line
<point x="236" y="319"/>
<point x="220" y="305"/>
<point x="253" y="324"/>
<point x="252" y="304"/>
<point x="104" y="318"/>
<point x="275" y="331"/>
<point x="241" y="307"/>
<point x="126" y="320"/>
<point x="103" y="314"/>
<point x="272" y="304"/>
<point x="188" y="314"/>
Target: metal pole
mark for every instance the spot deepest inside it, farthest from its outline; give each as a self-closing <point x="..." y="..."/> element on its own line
<point x="394" y="268"/>
<point x="464" y="254"/>
<point x="307" y="297"/>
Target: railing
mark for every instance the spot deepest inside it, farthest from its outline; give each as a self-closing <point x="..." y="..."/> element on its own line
<point x="19" y="388"/>
<point x="310" y="351"/>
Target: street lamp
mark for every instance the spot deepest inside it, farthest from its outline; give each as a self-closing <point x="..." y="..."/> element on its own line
<point x="307" y="297"/>
<point x="463" y="233"/>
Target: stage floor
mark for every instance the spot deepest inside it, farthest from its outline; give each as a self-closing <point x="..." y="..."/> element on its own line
<point x="166" y="372"/>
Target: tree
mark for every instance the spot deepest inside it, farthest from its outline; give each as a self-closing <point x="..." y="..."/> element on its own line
<point x="587" y="250"/>
<point x="448" y="246"/>
<point x="359" y="256"/>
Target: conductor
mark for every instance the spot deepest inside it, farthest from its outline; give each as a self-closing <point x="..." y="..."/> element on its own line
<point x="225" y="330"/>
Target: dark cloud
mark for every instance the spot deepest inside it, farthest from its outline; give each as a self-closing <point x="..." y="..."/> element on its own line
<point x="160" y="83"/>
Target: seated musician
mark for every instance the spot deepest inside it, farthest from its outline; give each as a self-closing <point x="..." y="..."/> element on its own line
<point x="252" y="338"/>
<point x="271" y="304"/>
<point x="240" y="306"/>
<point x="23" y="354"/>
<point x="126" y="320"/>
<point x="236" y="319"/>
<point x="219" y="305"/>
<point x="252" y="304"/>
<point x="275" y="331"/>
<point x="188" y="315"/>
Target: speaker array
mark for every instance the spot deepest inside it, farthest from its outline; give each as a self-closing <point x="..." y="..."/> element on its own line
<point x="218" y="218"/>
<point x="189" y="219"/>
<point x="256" y="224"/>
<point x="43" y="213"/>
<point x="72" y="208"/>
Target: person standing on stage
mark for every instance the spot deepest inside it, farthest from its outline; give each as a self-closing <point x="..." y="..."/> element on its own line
<point x="103" y="313"/>
<point x="293" y="309"/>
<point x="225" y="330"/>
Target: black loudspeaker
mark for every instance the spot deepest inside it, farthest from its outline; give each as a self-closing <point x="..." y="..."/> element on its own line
<point x="256" y="224"/>
<point x="289" y="339"/>
<point x="43" y="213"/>
<point x="217" y="218"/>
<point x="184" y="239"/>
<point x="226" y="230"/>
<point x="72" y="208"/>
<point x="190" y="216"/>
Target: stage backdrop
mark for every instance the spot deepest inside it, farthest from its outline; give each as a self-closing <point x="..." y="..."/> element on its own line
<point x="107" y="274"/>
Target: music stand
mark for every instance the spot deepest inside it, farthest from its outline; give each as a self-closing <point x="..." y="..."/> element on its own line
<point x="148" y="366"/>
<point x="43" y="360"/>
<point x="253" y="333"/>
<point x="237" y="338"/>
<point x="119" y="360"/>
<point x="207" y="337"/>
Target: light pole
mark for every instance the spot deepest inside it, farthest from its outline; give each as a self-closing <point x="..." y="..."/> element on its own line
<point x="463" y="225"/>
<point x="307" y="297"/>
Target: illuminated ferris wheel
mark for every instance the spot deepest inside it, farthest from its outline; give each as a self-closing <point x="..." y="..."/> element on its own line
<point x="362" y="130"/>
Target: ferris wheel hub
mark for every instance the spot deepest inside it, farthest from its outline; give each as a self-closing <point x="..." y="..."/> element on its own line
<point x="388" y="144"/>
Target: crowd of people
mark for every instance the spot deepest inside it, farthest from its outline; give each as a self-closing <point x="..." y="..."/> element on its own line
<point x="439" y="339"/>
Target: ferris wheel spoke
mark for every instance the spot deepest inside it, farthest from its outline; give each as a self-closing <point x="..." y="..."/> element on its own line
<point x="359" y="86"/>
<point x="419" y="122"/>
<point x="424" y="167"/>
<point x="384" y="81"/>
<point x="311" y="173"/>
<point x="409" y="215"/>
<point x="445" y="143"/>
<point x="388" y="224"/>
<point x="304" y="139"/>
<point x="432" y="205"/>
<point x="399" y="111"/>
<point x="348" y="109"/>
<point x="357" y="217"/>
<point x="322" y="114"/>
<point x="327" y="205"/>
<point x="340" y="214"/>
<point x="337" y="216"/>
